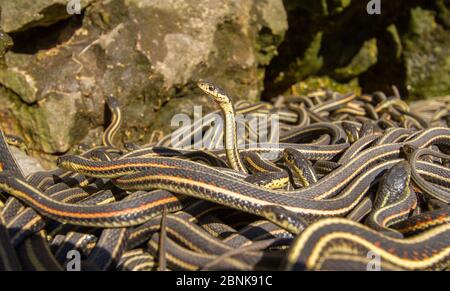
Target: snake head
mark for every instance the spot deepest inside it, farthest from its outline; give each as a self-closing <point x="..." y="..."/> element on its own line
<point x="217" y="93"/>
<point x="367" y="127"/>
<point x="298" y="164"/>
<point x="351" y="131"/>
<point x="131" y="146"/>
<point x="398" y="176"/>
<point x="408" y="150"/>
<point x="394" y="185"/>
<point x="284" y="218"/>
<point x="288" y="156"/>
<point x="112" y="102"/>
<point x="66" y="162"/>
<point x="295" y="158"/>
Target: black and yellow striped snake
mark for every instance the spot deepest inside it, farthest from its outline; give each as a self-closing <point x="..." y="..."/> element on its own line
<point x="354" y="182"/>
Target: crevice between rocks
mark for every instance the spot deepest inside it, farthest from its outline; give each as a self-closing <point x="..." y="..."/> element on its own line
<point x="34" y="39"/>
<point x="342" y="36"/>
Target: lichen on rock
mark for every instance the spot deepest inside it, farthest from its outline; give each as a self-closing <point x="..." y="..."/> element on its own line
<point x="312" y="84"/>
<point x="148" y="54"/>
<point x="427" y="56"/>
<point x="361" y="62"/>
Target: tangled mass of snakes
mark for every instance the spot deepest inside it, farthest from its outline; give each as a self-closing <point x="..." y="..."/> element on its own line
<point x="343" y="182"/>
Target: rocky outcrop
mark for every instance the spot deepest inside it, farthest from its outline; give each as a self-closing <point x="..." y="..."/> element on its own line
<point x="427" y="54"/>
<point x="24" y="14"/>
<point x="149" y="54"/>
<point x="407" y="45"/>
<point x="146" y="53"/>
<point x="26" y="163"/>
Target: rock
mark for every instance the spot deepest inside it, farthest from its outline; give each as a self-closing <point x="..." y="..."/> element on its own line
<point x="389" y="68"/>
<point x="361" y="62"/>
<point x="6" y="44"/>
<point x="309" y="64"/>
<point x="20" y="15"/>
<point x="406" y="46"/>
<point x="26" y="163"/>
<point x="148" y="54"/>
<point x="337" y="6"/>
<point x="328" y="37"/>
<point x="394" y="37"/>
<point x="312" y="84"/>
<point x="427" y="56"/>
<point x="313" y="7"/>
<point x="443" y="12"/>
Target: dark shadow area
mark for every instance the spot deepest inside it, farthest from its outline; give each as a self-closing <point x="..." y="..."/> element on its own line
<point x="342" y="36"/>
<point x="38" y="38"/>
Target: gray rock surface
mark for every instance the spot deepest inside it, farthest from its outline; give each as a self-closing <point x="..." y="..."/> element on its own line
<point x="26" y="163"/>
<point x="23" y="14"/>
<point x="148" y="54"/>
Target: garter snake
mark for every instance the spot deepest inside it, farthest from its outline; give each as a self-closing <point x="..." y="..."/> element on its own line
<point x="35" y="254"/>
<point x="394" y="200"/>
<point x="333" y="104"/>
<point x="244" y="196"/>
<point x="73" y="240"/>
<point x="358" y="146"/>
<point x="305" y="133"/>
<point x="361" y="210"/>
<point x="323" y="189"/>
<point x="7" y="159"/>
<point x="265" y="173"/>
<point x="312" y="248"/>
<point x="207" y="213"/>
<point x="137" y="260"/>
<point x="224" y="101"/>
<point x="120" y="214"/>
<point x="182" y="137"/>
<point x="17" y="142"/>
<point x="352" y="131"/>
<point x="413" y="154"/>
<point x="8" y="258"/>
<point x="423" y="222"/>
<point x="108" y="249"/>
<point x="311" y="151"/>
<point x="116" y="120"/>
<point x="258" y="230"/>
<point x="180" y="258"/>
<point x="300" y="167"/>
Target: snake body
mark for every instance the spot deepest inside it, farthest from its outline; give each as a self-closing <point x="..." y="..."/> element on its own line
<point x="354" y="182"/>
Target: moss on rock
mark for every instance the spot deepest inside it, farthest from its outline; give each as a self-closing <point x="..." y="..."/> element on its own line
<point x="312" y="84"/>
<point x="366" y="58"/>
<point x="148" y="54"/>
<point x="426" y="56"/>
